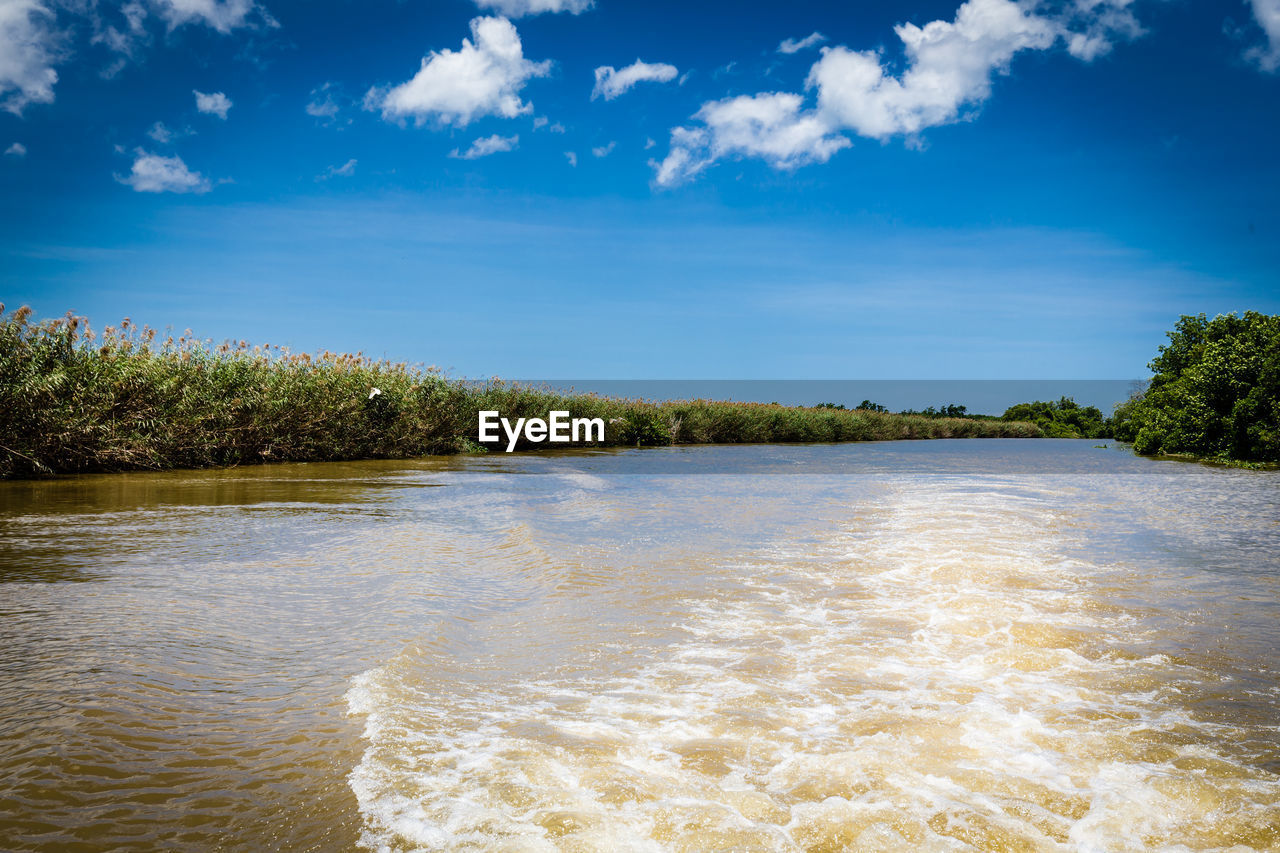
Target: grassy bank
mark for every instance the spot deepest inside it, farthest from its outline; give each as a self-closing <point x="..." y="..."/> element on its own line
<point x="72" y="400"/>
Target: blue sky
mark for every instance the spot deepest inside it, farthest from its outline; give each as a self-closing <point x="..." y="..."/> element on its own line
<point x="986" y="189"/>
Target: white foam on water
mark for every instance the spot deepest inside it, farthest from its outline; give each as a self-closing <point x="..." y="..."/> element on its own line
<point x="938" y="676"/>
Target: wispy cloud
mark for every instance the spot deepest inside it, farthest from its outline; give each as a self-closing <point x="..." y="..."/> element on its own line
<point x="601" y="151"/>
<point x="325" y="102"/>
<point x="486" y="145"/>
<point x="543" y="122"/>
<point x="222" y="15"/>
<point x="610" y="82"/>
<point x="797" y="45"/>
<point x="520" y="8"/>
<point x="160" y="133"/>
<point x="346" y="170"/>
<point x="1092" y="27"/>
<point x="572" y="157"/>
<point x="1267" y="14"/>
<point x="17" y="149"/>
<point x="164" y="134"/>
<point x="36" y="35"/>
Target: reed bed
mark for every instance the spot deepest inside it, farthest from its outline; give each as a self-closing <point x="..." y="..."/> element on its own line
<point x="74" y="400"/>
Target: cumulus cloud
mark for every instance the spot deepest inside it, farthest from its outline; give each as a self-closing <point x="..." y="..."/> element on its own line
<point x="346" y="170"/>
<point x="610" y="82"/>
<point x="773" y="126"/>
<point x="223" y="15"/>
<point x="949" y="65"/>
<point x="482" y="78"/>
<point x="28" y="51"/>
<point x="797" y="45"/>
<point x="1267" y="13"/>
<point x="17" y="149"/>
<point x="487" y="145"/>
<point x="948" y="70"/>
<point x="520" y="8"/>
<point x="152" y="173"/>
<point x="215" y="104"/>
<point x="603" y="150"/>
<point x="572" y="157"/>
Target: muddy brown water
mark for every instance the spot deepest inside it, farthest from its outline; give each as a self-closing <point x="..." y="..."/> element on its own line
<point x="995" y="645"/>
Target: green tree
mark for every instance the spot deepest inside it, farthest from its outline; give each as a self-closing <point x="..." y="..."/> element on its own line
<point x="1215" y="392"/>
<point x="1064" y="418"/>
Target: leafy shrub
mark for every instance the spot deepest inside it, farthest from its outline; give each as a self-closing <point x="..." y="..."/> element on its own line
<point x="1215" y="392"/>
<point x="1062" y="419"/>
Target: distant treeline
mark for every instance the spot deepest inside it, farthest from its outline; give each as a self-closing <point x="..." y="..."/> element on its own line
<point x="1061" y="419"/>
<point x="1215" y="394"/>
<point x="75" y="401"/>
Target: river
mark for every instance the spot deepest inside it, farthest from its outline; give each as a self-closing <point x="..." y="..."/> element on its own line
<point x="940" y="645"/>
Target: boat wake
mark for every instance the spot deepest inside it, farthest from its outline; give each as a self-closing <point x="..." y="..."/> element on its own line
<point x="937" y="675"/>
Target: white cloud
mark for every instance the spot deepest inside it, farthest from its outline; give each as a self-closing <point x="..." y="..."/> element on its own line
<point x="323" y="105"/>
<point x="949" y="67"/>
<point x="772" y="126"/>
<point x="542" y="122"/>
<point x="28" y="50"/>
<point x="1091" y="27"/>
<point x="520" y="8"/>
<point x="17" y="149"/>
<point x="160" y="133"/>
<point x="322" y="108"/>
<point x="482" y="78"/>
<point x="572" y="157"/>
<point x="1267" y="13"/>
<point x="649" y="142"/>
<point x="128" y="32"/>
<point x="486" y="145"/>
<point x="797" y="45"/>
<point x="604" y="150"/>
<point x="346" y="170"/>
<point x="152" y="173"/>
<point x="223" y="15"/>
<point x="123" y="40"/>
<point x="215" y="104"/>
<point x="610" y="83"/>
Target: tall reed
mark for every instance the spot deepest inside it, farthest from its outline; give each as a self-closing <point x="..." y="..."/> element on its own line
<point x="73" y="400"/>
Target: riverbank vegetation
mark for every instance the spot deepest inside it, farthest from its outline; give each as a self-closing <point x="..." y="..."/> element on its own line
<point x="1064" y="418"/>
<point x="1215" y="393"/>
<point x="72" y="400"/>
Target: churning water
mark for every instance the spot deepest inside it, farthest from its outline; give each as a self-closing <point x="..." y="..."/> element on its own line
<point x="995" y="645"/>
